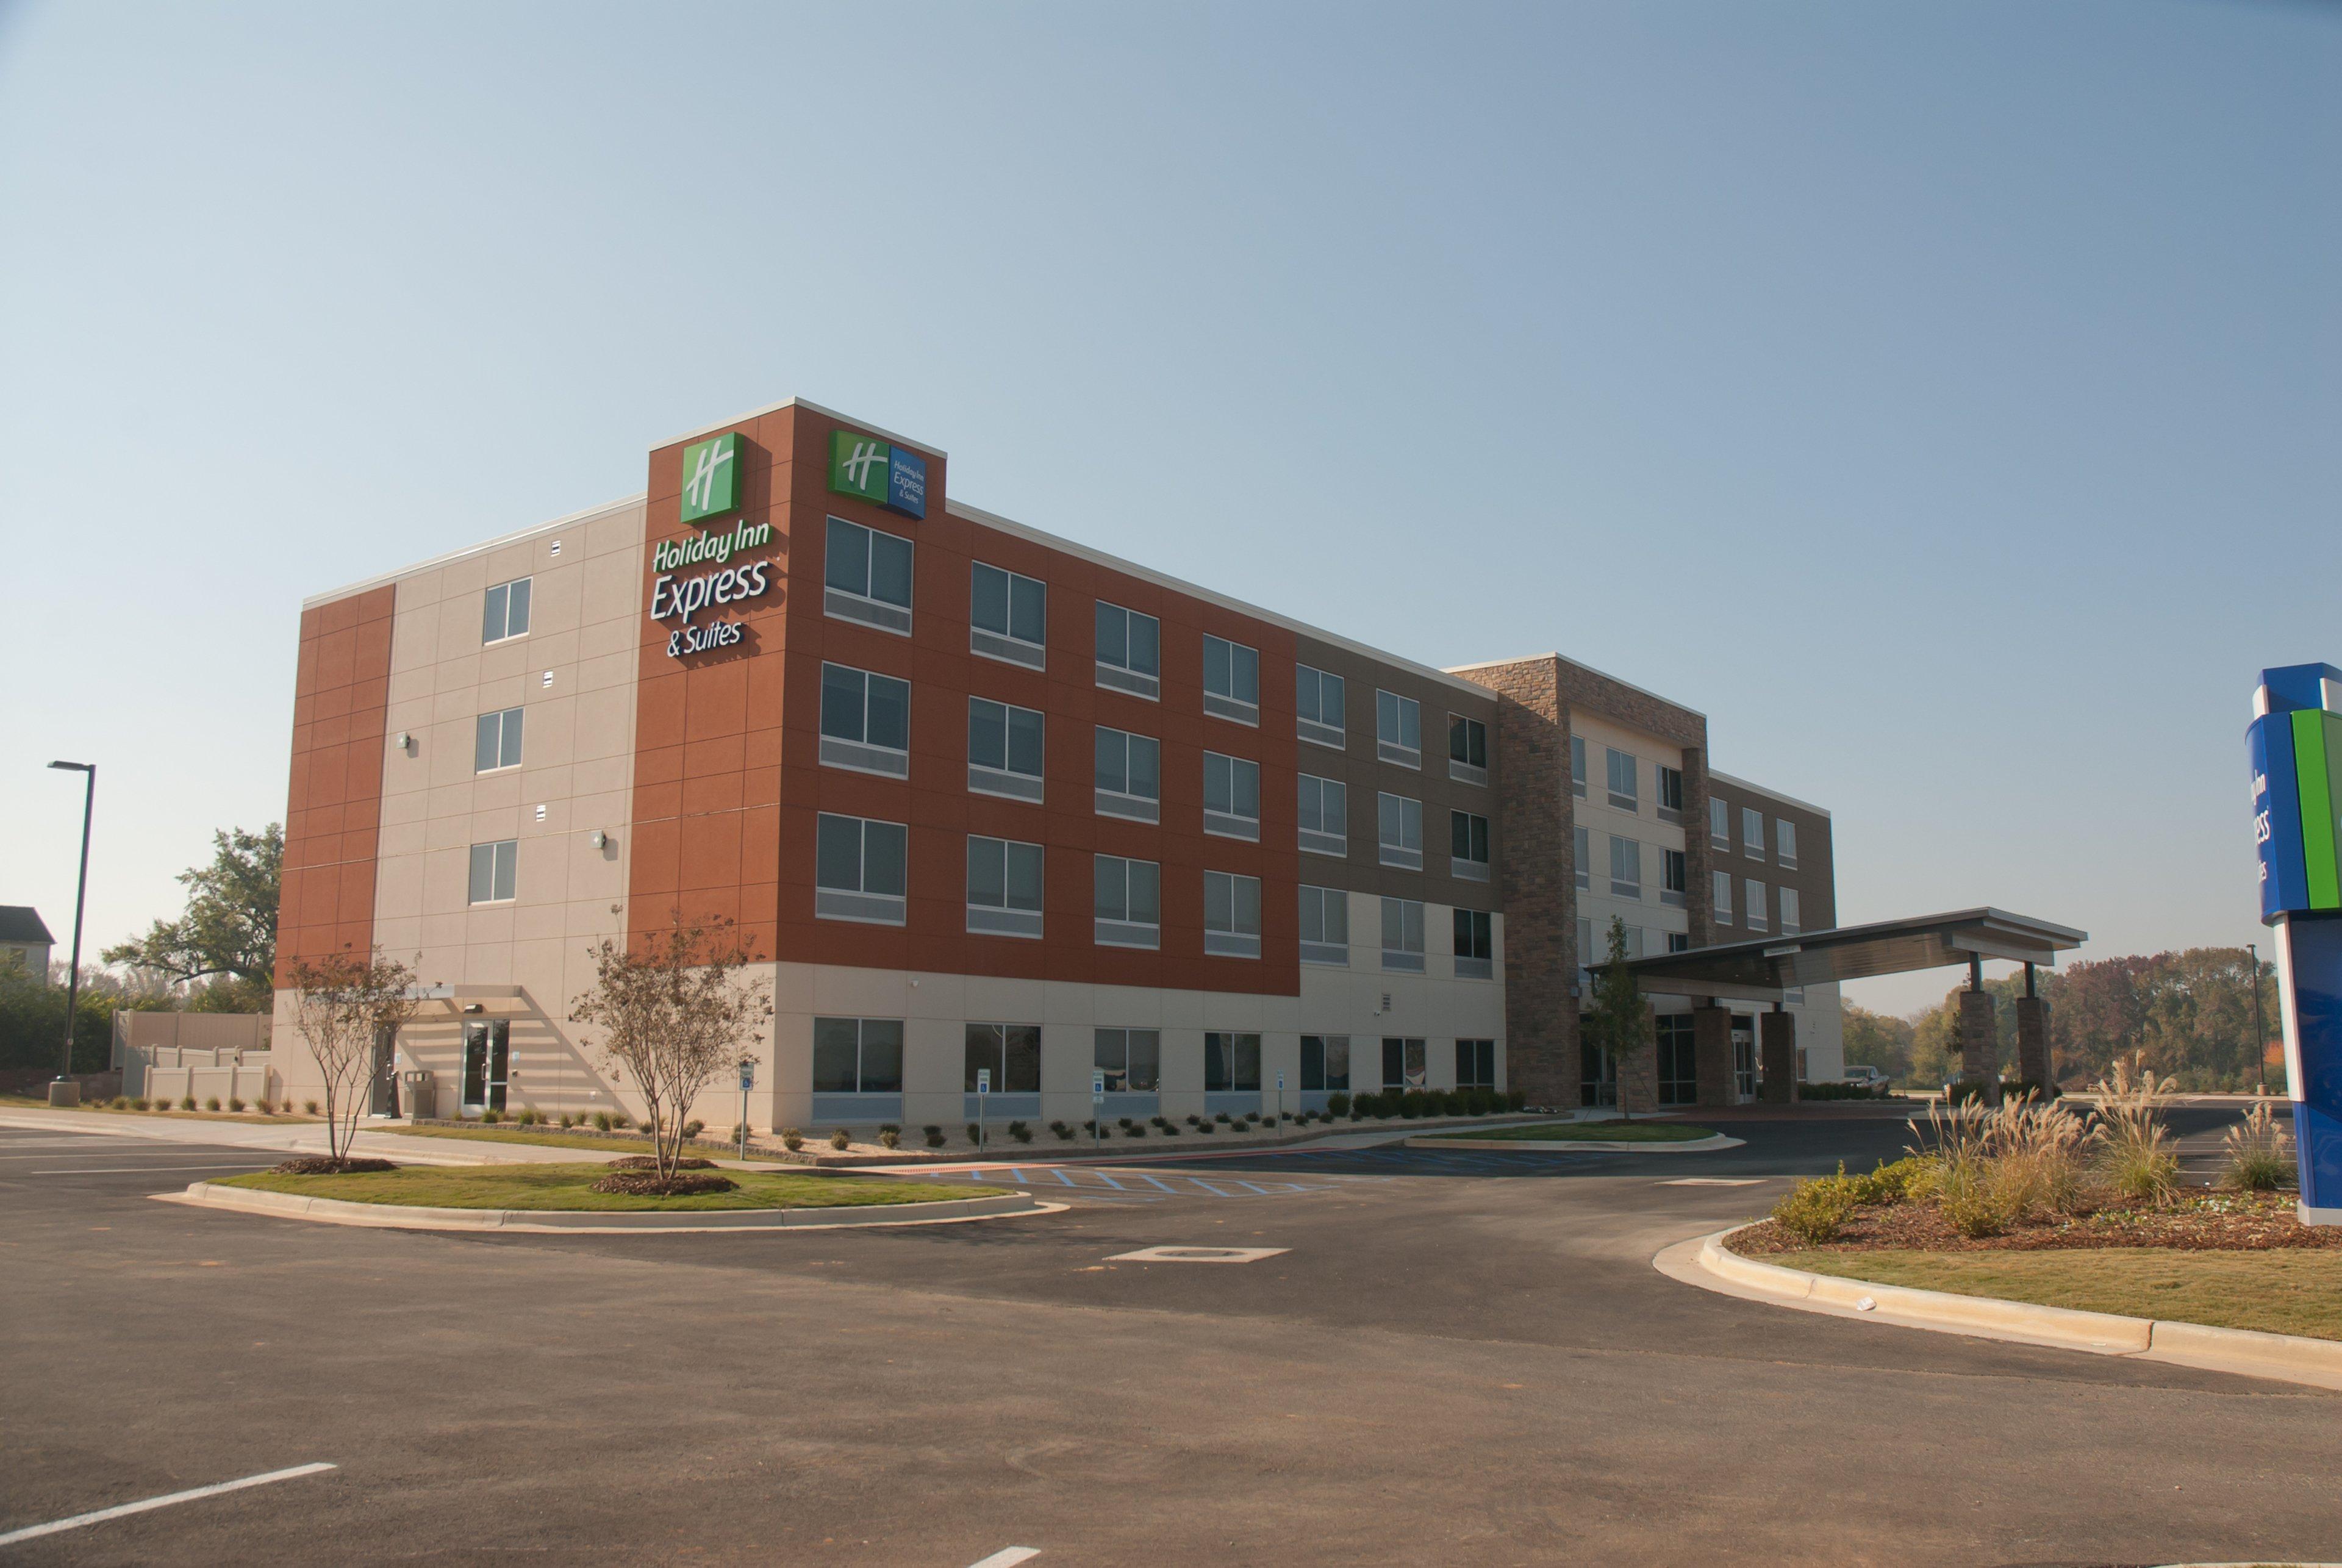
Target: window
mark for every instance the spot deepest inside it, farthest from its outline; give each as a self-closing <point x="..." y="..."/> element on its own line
<point x="1790" y="924"/>
<point x="1231" y="914"/>
<point x="1475" y="1064"/>
<point x="1675" y="876"/>
<point x="1753" y="904"/>
<point x="1007" y="616"/>
<point x="1325" y="1062"/>
<point x="1402" y="1063"/>
<point x="1013" y="1052"/>
<point x="1231" y="680"/>
<point x="1784" y="842"/>
<point x="1719" y="823"/>
<point x="857" y="1055"/>
<point x="494" y="871"/>
<point x="1231" y="796"/>
<point x="1324" y="816"/>
<point x="1678" y="1071"/>
<point x="1318" y="699"/>
<point x="1623" y="784"/>
<point x="1678" y="941"/>
<point x="1670" y="795"/>
<point x="1475" y="944"/>
<point x="505" y="614"/>
<point x="1004" y="887"/>
<point x="1626" y="867"/>
<point x="1399" y="729"/>
<point x="1467" y="750"/>
<point x="866" y="577"/>
<point x="1231" y="1063"/>
<point x="1131" y="1059"/>
<point x="866" y="722"/>
<point x="1400" y="831"/>
<point x="1752" y="832"/>
<point x="1467" y="846"/>
<point x="1585" y="954"/>
<point x="1633" y="936"/>
<point x="1723" y="896"/>
<point x="1577" y="766"/>
<point x="858" y="869"/>
<point x="1403" y="934"/>
<point x="1584" y="854"/>
<point x="1324" y="926"/>
<point x="1129" y="777"/>
<point x="1004" y="750"/>
<point x="1128" y="907"/>
<point x="1129" y="650"/>
<point x="496" y="741"/>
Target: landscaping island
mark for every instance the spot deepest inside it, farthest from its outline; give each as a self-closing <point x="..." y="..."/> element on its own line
<point x="572" y="1188"/>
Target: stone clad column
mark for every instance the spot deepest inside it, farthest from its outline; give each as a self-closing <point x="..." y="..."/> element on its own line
<point x="1777" y="1041"/>
<point x="1711" y="1054"/>
<point x="2033" y="1063"/>
<point x="1638" y="1079"/>
<point x="1980" y="1042"/>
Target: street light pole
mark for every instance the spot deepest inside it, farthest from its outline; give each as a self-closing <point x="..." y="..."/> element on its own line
<point x="80" y="897"/>
<point x="2260" y="1029"/>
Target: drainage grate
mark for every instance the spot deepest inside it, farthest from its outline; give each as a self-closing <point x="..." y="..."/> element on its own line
<point x="1198" y="1255"/>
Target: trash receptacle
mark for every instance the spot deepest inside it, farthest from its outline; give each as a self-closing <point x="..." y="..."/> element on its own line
<point x="418" y="1095"/>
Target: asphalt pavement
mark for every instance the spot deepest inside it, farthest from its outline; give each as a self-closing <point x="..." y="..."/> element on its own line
<point x="1443" y="1360"/>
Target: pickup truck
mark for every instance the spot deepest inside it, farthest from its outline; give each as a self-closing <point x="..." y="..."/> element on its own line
<point x="1865" y="1077"/>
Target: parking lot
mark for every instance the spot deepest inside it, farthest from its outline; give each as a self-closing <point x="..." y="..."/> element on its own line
<point x="1445" y="1356"/>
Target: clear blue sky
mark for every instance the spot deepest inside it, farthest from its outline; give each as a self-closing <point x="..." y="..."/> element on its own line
<point x="1943" y="398"/>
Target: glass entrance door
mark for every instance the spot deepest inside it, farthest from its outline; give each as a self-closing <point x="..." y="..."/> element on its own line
<point x="386" y="1074"/>
<point x="488" y="1060"/>
<point x="1744" y="1057"/>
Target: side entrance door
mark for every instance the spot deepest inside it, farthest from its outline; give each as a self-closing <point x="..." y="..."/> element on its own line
<point x="385" y="1073"/>
<point x="488" y="1060"/>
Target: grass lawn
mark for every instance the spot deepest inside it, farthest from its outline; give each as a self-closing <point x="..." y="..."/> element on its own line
<point x="551" y="1138"/>
<point x="2281" y="1291"/>
<point x="569" y="1187"/>
<point x="28" y="1103"/>
<point x="1585" y="1133"/>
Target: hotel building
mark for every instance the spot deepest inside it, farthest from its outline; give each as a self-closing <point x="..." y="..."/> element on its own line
<point x="984" y="800"/>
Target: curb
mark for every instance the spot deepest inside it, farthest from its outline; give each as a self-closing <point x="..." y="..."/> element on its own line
<point x="1707" y="1262"/>
<point x="1692" y="1146"/>
<point x="400" y="1217"/>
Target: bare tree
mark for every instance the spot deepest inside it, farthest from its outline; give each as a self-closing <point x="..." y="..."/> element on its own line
<point x="345" y="1005"/>
<point x="672" y="1017"/>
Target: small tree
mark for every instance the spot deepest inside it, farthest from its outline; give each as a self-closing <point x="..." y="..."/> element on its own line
<point x="1620" y="1022"/>
<point x="672" y="1017"/>
<point x="345" y="1004"/>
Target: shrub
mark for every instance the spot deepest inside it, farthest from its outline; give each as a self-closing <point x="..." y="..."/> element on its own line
<point x="1135" y="1130"/>
<point x="934" y="1136"/>
<point x="1020" y="1131"/>
<point x="621" y="1121"/>
<point x="2255" y="1154"/>
<point x="118" y="1104"/>
<point x="1516" y="1099"/>
<point x="1839" y="1092"/>
<point x="491" y="1116"/>
<point x="694" y="1128"/>
<point x="890" y="1127"/>
<point x="1337" y="1103"/>
<point x="648" y="1182"/>
<point x="234" y="1104"/>
<point x="140" y="1102"/>
<point x="308" y="1107"/>
<point x="976" y="1132"/>
<point x="2136" y="1159"/>
<point x="1124" y="1123"/>
<point x="161" y="1104"/>
<point x="1092" y="1128"/>
<point x="792" y="1140"/>
<point x="1223" y="1119"/>
<point x="211" y="1103"/>
<point x="1206" y="1129"/>
<point x="840" y="1139"/>
<point x="1194" y="1121"/>
<point x="267" y="1107"/>
<point x="738" y="1134"/>
<point x="1816" y="1210"/>
<point x="1888" y="1184"/>
<point x="1170" y="1129"/>
<point x="1410" y="1104"/>
<point x="891" y="1137"/>
<point x="1064" y="1134"/>
<point x="601" y="1121"/>
<point x="1965" y="1091"/>
<point x="188" y="1102"/>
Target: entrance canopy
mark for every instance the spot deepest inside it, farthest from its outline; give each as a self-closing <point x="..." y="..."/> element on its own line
<point x="439" y="1000"/>
<point x="1761" y="971"/>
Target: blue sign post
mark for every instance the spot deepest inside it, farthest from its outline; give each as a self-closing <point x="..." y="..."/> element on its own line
<point x="2296" y="744"/>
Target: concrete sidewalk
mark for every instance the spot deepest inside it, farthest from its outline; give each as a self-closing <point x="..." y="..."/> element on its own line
<point x="291" y="1138"/>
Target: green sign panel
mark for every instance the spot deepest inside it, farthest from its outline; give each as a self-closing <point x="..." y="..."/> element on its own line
<point x="858" y="465"/>
<point x="711" y="477"/>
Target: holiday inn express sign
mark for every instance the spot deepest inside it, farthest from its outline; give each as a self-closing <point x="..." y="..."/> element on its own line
<point x="896" y="477"/>
<point x="711" y="487"/>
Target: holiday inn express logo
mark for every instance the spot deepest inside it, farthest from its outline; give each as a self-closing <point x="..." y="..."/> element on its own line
<point x="711" y="477"/>
<point x="896" y="477"/>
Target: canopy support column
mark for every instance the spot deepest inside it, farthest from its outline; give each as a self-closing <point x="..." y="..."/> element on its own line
<point x="1777" y="1033"/>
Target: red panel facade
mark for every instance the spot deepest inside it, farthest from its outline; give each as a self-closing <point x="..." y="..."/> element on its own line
<point x="332" y="815"/>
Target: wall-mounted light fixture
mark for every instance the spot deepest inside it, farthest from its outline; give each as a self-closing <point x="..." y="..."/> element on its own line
<point x="475" y="1007"/>
<point x="598" y="839"/>
<point x="407" y="743"/>
<point x="548" y="678"/>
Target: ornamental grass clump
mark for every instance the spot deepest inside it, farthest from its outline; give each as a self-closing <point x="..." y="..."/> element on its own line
<point x="2257" y="1154"/>
<point x="2038" y="1157"/>
<point x="2136" y="1159"/>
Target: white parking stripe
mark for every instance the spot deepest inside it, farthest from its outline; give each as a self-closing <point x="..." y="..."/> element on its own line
<point x="1008" y="1557"/>
<point x="136" y="1170"/>
<point x="32" y="1531"/>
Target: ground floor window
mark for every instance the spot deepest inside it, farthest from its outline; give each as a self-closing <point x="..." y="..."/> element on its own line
<point x="857" y="1055"/>
<point x="1325" y="1062"/>
<point x="1131" y="1059"/>
<point x="1678" y="1065"/>
<point x="1013" y="1052"/>
<point x="1231" y="1062"/>
<point x="1475" y="1064"/>
<point x="488" y="1064"/>
<point x="1598" y="1079"/>
<point x="1403" y="1063"/>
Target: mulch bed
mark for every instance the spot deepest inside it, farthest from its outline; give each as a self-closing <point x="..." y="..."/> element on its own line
<point x="646" y="1184"/>
<point x="320" y="1165"/>
<point x="650" y="1163"/>
<point x="2197" y="1222"/>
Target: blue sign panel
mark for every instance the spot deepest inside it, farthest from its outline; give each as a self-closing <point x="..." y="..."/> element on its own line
<point x="2277" y="816"/>
<point x="907" y="483"/>
<point x="2295" y="739"/>
<point x="2310" y="955"/>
